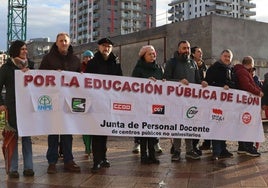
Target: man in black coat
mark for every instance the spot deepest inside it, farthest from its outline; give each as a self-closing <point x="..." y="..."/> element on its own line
<point x="61" y="57"/>
<point x="104" y="62"/>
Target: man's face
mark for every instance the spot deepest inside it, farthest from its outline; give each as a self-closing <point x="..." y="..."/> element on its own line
<point x="249" y="67"/>
<point x="184" y="49"/>
<point x="226" y="58"/>
<point x="105" y="49"/>
<point x="63" y="43"/>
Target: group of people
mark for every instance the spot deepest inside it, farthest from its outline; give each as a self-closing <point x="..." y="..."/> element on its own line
<point x="186" y="66"/>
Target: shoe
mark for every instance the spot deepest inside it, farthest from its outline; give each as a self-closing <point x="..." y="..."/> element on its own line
<point x="253" y="152"/>
<point x="145" y="160"/>
<point x="105" y="164"/>
<point x="192" y="155"/>
<point x="176" y="156"/>
<point x="154" y="161"/>
<point x="136" y="148"/>
<point x="95" y="168"/>
<point x="199" y="152"/>
<point x="72" y="167"/>
<point x="241" y="150"/>
<point x="226" y="154"/>
<point x="28" y="172"/>
<point x="51" y="169"/>
<point x="157" y="148"/>
<point x="13" y="174"/>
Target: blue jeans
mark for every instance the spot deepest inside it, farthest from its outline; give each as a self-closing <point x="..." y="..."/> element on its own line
<point x="53" y="148"/>
<point x="27" y="154"/>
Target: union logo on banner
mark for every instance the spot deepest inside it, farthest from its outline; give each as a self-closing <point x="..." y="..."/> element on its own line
<point x="217" y="115"/>
<point x="45" y="103"/>
<point x="246" y="118"/>
<point x="158" y="109"/>
<point x="78" y="104"/>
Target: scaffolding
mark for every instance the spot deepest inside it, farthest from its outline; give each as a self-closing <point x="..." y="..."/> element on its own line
<point x="17" y="21"/>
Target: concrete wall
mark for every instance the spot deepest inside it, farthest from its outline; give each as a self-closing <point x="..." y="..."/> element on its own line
<point x="212" y="33"/>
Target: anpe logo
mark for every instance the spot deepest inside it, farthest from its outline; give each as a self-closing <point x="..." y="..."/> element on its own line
<point x="246" y="118"/>
<point x="78" y="104"/>
<point x="191" y="112"/>
<point x="44" y="103"/>
<point x="158" y="109"/>
<point x="122" y="106"/>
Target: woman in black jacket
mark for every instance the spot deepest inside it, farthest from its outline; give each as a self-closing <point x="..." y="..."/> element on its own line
<point x="17" y="61"/>
<point x="147" y="67"/>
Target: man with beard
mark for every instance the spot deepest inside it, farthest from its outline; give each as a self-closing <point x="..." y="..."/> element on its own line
<point x="183" y="69"/>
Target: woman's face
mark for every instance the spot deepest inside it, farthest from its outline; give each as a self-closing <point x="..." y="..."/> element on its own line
<point x="150" y="56"/>
<point x="23" y="52"/>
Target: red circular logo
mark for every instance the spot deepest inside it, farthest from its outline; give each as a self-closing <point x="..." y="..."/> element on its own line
<point x="246" y="118"/>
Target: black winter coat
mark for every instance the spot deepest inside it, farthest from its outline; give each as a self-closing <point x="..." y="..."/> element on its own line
<point x="7" y="80"/>
<point x="219" y="75"/>
<point x="98" y="65"/>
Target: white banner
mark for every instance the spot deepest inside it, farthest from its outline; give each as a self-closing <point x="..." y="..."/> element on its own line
<point x="53" y="102"/>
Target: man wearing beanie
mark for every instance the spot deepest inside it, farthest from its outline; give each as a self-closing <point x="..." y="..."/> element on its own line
<point x="61" y="57"/>
<point x="103" y="62"/>
<point x="18" y="60"/>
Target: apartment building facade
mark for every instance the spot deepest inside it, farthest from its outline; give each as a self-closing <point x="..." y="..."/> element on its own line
<point x="188" y="9"/>
<point x="91" y="20"/>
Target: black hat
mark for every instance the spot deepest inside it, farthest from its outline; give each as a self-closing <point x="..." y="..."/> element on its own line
<point x="105" y="40"/>
<point x="14" y="50"/>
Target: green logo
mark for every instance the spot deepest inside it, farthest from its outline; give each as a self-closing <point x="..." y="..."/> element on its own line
<point x="78" y="104"/>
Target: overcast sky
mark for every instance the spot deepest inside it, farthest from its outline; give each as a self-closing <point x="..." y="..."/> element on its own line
<point x="47" y="18"/>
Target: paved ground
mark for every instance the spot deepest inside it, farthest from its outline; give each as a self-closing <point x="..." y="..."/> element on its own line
<point x="127" y="172"/>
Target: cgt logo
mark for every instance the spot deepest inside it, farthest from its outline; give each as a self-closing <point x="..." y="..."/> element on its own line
<point x="158" y="109"/>
<point x="122" y="106"/>
<point x="246" y="118"/>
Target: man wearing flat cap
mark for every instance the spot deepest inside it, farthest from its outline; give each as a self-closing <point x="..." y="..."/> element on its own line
<point x="103" y="62"/>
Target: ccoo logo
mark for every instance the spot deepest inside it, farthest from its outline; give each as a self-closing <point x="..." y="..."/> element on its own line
<point x="122" y="106"/>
